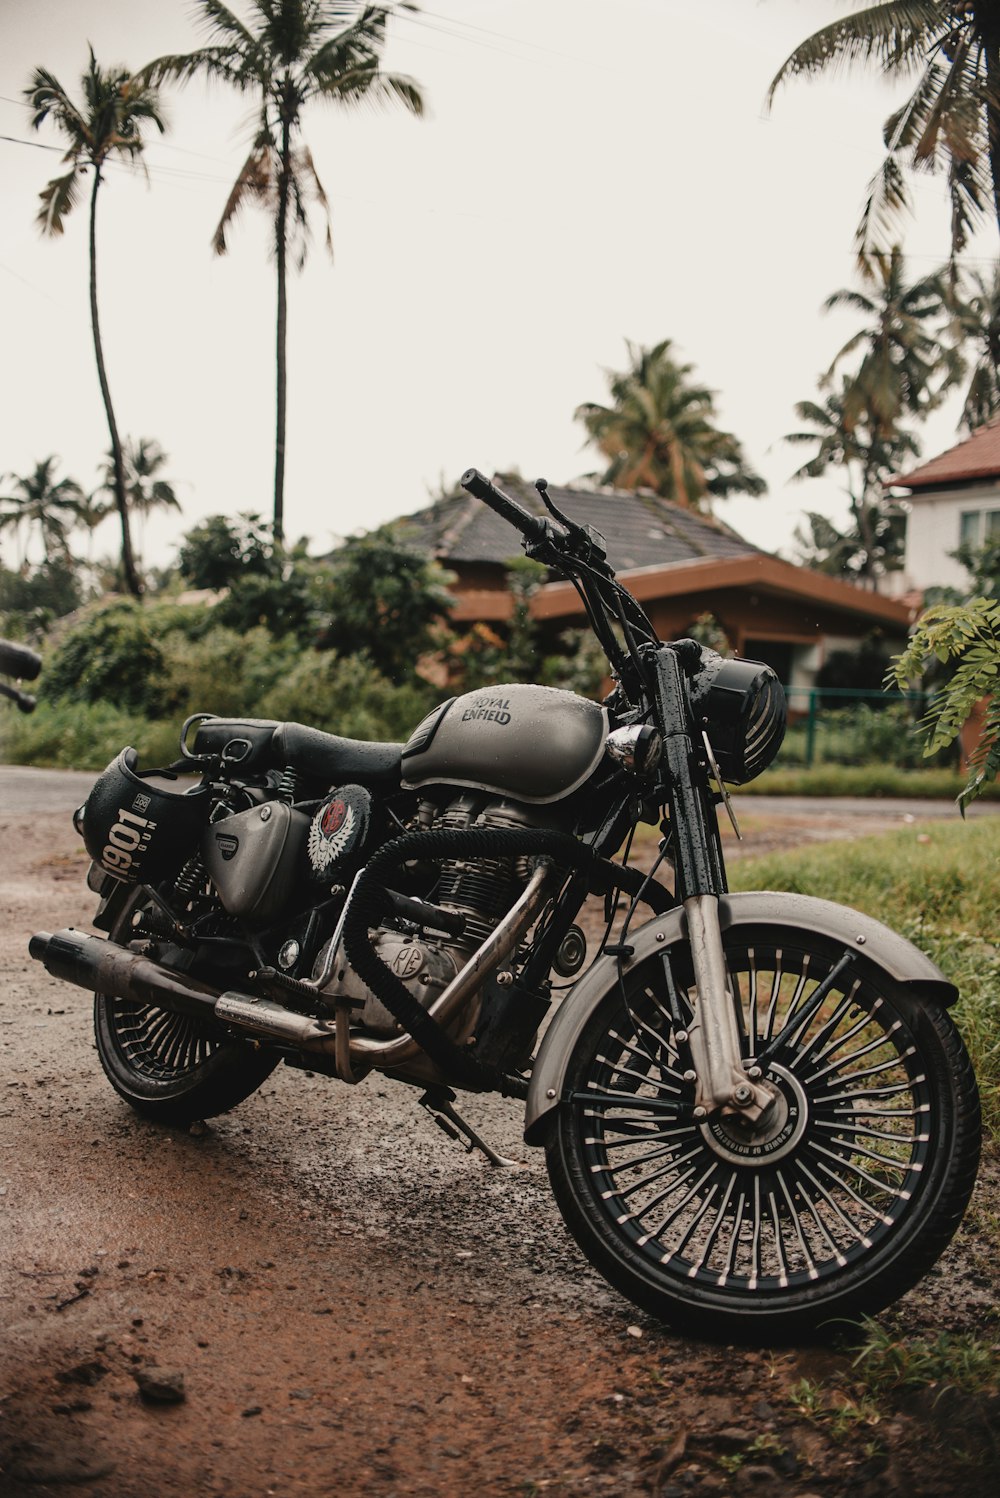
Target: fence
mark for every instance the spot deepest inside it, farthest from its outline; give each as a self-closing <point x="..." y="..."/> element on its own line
<point x="848" y="726"/>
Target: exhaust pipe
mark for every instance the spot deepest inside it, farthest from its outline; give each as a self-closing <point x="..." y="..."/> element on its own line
<point x="105" y="967"/>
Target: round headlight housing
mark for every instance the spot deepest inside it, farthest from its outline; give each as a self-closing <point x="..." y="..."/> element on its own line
<point x="741" y="707"/>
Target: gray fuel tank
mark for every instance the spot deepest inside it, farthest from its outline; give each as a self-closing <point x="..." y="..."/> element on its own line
<point x="532" y="743"/>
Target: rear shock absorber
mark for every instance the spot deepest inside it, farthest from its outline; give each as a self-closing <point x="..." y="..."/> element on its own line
<point x="288" y="784"/>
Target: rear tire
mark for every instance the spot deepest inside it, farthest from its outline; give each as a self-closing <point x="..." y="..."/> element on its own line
<point x="172" y="1068"/>
<point x="834" y="1211"/>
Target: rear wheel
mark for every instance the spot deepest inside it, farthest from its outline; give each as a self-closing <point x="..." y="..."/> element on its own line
<point x="172" y="1068"/>
<point x="839" y="1202"/>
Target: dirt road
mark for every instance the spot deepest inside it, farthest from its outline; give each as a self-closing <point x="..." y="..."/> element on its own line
<point x="321" y="1294"/>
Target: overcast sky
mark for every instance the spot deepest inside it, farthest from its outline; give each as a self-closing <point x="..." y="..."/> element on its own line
<point x="587" y="173"/>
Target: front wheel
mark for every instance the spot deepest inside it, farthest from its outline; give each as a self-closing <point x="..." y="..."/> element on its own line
<point x="840" y="1201"/>
<point x="171" y="1068"/>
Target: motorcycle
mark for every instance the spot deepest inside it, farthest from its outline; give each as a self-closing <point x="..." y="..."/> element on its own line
<point x="756" y="1111"/>
<point x="24" y="665"/>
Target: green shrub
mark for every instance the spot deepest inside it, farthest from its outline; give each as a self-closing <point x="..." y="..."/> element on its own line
<point x="346" y="695"/>
<point x="859" y="734"/>
<point x="111" y="656"/>
<point x="226" y="672"/>
<point x="84" y="736"/>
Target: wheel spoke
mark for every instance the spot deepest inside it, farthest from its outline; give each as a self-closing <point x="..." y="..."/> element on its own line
<point x="158" y="1044"/>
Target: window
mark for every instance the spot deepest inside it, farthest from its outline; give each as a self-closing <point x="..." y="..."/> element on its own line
<point x="976" y="527"/>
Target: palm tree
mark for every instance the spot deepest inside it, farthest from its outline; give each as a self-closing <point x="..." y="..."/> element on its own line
<point x="37" y="501"/>
<point x="975" y="304"/>
<point x="107" y="125"/>
<point x="951" y="121"/>
<point x="660" y="433"/>
<point x="289" y="53"/>
<point x="142" y="461"/>
<point x="905" y="367"/>
<point x="845" y="439"/>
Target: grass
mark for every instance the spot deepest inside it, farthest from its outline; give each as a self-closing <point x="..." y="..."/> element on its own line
<point x="939" y="885"/>
<point x="887" y="779"/>
<point x="886" y="1365"/>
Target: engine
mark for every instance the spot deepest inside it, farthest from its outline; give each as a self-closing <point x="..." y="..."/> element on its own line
<point x="477" y="893"/>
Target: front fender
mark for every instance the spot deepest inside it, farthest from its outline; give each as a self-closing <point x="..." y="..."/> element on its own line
<point x="886" y="951"/>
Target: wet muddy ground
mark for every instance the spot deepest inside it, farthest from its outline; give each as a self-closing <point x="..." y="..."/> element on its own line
<point x="321" y="1294"/>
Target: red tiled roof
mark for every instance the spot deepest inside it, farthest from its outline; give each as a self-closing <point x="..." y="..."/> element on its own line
<point x="978" y="457"/>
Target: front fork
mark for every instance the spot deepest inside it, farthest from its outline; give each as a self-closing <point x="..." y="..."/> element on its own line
<point x="722" y="1077"/>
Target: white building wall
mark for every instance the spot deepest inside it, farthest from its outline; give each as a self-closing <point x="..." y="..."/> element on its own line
<point x="933" y="531"/>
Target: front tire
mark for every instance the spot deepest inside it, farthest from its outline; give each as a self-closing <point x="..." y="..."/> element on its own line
<point x="840" y="1204"/>
<point x="172" y="1068"/>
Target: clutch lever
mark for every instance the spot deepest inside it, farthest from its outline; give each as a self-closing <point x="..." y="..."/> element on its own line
<point x="586" y="544"/>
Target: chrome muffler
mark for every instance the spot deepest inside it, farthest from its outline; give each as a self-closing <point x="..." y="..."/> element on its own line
<point x="94" y="963"/>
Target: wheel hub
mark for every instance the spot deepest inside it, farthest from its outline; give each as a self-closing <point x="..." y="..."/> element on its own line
<point x="741" y="1141"/>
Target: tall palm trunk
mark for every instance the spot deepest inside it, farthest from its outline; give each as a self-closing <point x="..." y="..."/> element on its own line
<point x="281" y="248"/>
<point x="133" y="582"/>
<point x="989" y="29"/>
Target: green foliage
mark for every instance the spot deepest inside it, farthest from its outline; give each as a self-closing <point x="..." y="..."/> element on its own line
<point x="660" y="433"/>
<point x="885" y="780"/>
<point x="936" y="883"/>
<point x="112" y="656"/>
<point x="881" y="732"/>
<point x="36" y="502"/>
<point x="384" y="600"/>
<point x="346" y="695"/>
<point x="219" y="551"/>
<point x="39" y="594"/>
<point x="947" y="125"/>
<point x="983" y="565"/>
<point x="889" y="1364"/>
<point x="68" y="735"/>
<point x="263" y="585"/>
<point x="223" y="671"/>
<point x="707" y="630"/>
<point x="902" y="364"/>
<point x="967" y="637"/>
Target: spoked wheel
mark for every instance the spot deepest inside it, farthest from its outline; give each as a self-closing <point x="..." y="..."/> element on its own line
<point x="836" y="1203"/>
<point x="171" y="1067"/>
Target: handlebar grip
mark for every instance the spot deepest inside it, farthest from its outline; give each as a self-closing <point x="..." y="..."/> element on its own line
<point x="19" y="661"/>
<point x="478" y="485"/>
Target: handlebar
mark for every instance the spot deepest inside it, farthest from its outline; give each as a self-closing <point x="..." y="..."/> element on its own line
<point x="19" y="661"/>
<point x="478" y="485"/>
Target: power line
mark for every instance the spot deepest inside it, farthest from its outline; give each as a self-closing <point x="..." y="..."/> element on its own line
<point x="39" y="145"/>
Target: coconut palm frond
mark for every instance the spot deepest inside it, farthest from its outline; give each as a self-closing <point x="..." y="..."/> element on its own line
<point x="255" y="184"/>
<point x="892" y="35"/>
<point x="949" y="124"/>
<point x="887" y="201"/>
<point x="306" y="168"/>
<point x="58" y="198"/>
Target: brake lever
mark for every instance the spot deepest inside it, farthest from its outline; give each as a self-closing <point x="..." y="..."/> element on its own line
<point x="584" y="544"/>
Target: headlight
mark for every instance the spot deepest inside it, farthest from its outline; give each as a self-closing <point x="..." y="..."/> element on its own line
<point x="741" y="706"/>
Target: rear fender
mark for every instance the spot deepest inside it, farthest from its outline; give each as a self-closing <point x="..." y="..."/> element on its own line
<point x="883" y="949"/>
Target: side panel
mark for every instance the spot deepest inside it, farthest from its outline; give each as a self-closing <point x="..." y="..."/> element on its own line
<point x="885" y="949"/>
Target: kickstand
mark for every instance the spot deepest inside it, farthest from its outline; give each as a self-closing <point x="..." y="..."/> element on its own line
<point x="439" y="1105"/>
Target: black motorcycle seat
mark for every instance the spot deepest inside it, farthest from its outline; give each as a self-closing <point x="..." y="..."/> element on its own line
<point x="330" y="757"/>
<point x="256" y="744"/>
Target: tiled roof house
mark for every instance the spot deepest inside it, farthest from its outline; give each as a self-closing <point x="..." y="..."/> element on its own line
<point x="679" y="564"/>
